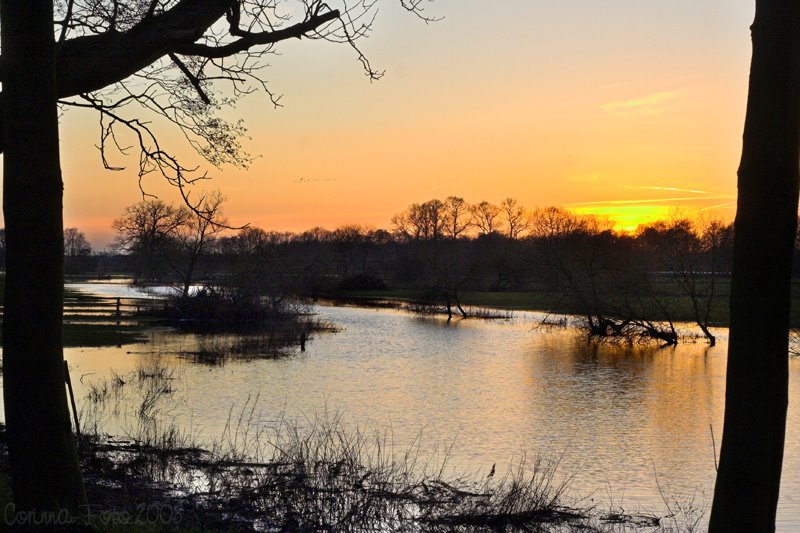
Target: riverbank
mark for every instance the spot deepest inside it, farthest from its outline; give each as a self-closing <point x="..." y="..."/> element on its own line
<point x="669" y="297"/>
<point x="535" y="301"/>
<point x="92" y="320"/>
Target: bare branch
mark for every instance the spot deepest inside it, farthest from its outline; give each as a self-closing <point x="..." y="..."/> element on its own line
<point x="191" y="77"/>
<point x="249" y="40"/>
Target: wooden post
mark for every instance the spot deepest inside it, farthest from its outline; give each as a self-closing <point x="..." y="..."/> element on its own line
<point x="68" y="381"/>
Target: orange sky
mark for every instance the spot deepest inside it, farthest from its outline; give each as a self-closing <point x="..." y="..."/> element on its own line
<point x="623" y="108"/>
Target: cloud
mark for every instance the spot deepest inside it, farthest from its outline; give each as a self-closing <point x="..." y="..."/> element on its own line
<point x="726" y="205"/>
<point x="652" y="104"/>
<point x="653" y="201"/>
<point x="670" y="189"/>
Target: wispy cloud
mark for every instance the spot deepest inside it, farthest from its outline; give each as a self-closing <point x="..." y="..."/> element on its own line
<point x="651" y="104"/>
<point x="652" y="201"/>
<point x="726" y="205"/>
<point x="670" y="189"/>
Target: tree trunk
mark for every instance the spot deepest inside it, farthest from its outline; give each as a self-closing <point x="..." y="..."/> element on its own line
<point x="712" y="340"/>
<point x="748" y="481"/>
<point x="45" y="473"/>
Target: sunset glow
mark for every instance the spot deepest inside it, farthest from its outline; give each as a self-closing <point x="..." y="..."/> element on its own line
<point x="626" y="110"/>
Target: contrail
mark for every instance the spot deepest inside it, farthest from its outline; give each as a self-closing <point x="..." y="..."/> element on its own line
<point x="653" y="200"/>
<point x="674" y="189"/>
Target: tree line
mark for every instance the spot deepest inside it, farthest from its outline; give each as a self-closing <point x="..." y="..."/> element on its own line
<point x="623" y="285"/>
<point x="454" y="217"/>
<point x="631" y="286"/>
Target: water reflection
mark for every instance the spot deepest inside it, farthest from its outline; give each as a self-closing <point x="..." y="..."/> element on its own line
<point x="619" y="415"/>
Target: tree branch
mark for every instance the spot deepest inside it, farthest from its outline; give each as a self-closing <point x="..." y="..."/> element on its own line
<point x="248" y="40"/>
<point x="191" y="77"/>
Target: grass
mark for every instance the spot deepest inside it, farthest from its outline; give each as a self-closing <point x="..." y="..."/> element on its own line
<point x="320" y="474"/>
<point x="484" y="313"/>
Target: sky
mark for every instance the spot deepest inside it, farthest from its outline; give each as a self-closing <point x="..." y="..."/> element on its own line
<point x="627" y="108"/>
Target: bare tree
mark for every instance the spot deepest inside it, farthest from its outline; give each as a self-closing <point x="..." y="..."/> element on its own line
<point x="697" y="270"/>
<point x="315" y="234"/>
<point x="146" y="229"/>
<point x="486" y="217"/>
<point x="433" y="211"/>
<point x="76" y="250"/>
<point x="156" y="232"/>
<point x="249" y="241"/>
<point x="515" y="218"/>
<point x="425" y="221"/>
<point x="75" y="243"/>
<point x="553" y="221"/>
<point x="193" y="237"/>
<point x="458" y="218"/>
<point x="403" y="228"/>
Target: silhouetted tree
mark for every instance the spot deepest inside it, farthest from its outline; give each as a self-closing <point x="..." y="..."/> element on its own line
<point x="458" y="218"/>
<point x="486" y="217"/>
<point x="422" y="221"/>
<point x="76" y="250"/>
<point x="696" y="264"/>
<point x="249" y="241"/>
<point x="146" y="230"/>
<point x="316" y="234"/>
<point x="756" y="396"/>
<point x="45" y="474"/>
<point x="553" y="221"/>
<point x="76" y="244"/>
<point x="352" y="249"/>
<point x="515" y="216"/>
<point x="192" y="239"/>
<point x="159" y="234"/>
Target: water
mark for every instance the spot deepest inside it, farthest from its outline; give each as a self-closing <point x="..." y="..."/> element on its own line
<point x="630" y="424"/>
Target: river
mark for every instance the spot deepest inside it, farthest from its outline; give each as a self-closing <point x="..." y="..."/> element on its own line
<point x="632" y="425"/>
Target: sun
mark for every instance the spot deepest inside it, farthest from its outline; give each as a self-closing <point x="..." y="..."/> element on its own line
<point x="626" y="218"/>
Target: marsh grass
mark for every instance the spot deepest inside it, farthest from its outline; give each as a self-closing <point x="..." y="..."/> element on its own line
<point x="322" y="476"/>
<point x="320" y="473"/>
<point x="489" y="313"/>
<point x="469" y="312"/>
